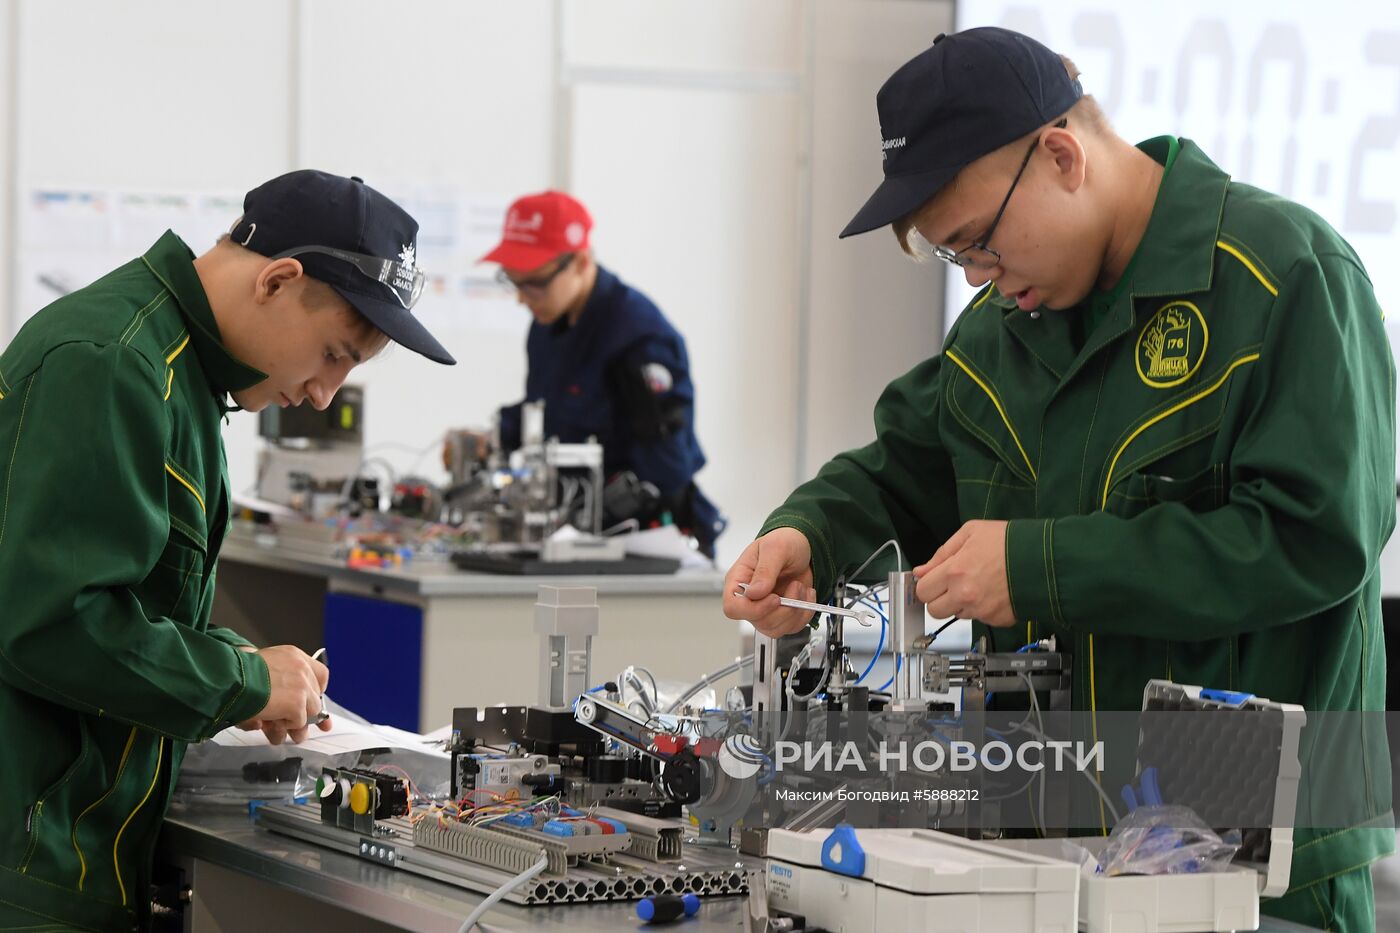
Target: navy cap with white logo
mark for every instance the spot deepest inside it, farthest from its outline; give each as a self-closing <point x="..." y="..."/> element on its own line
<point x="967" y="95"/>
<point x="349" y="236"/>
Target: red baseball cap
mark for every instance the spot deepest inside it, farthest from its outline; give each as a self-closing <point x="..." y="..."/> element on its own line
<point x="540" y="227"/>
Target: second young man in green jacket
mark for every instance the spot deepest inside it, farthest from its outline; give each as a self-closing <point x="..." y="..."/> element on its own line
<point x="1164" y="432"/>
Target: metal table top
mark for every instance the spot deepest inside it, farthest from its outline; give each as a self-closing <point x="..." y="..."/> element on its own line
<point x="228" y="838"/>
<point x="443" y="579"/>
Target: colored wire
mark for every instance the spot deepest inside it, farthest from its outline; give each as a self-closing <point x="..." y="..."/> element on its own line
<point x="705" y="681"/>
<point x="875" y="658"/>
<point x="1103" y="795"/>
<point x="889" y="683"/>
<point x="899" y="555"/>
<point x="939" y="631"/>
<point x="501" y="892"/>
<point x="412" y="788"/>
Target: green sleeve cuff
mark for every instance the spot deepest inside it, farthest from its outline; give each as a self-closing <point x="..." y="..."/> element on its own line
<point x="1030" y="570"/>
<point x="229" y="637"/>
<point x="251" y="695"/>
<point x="1324" y="854"/>
<point x="823" y="561"/>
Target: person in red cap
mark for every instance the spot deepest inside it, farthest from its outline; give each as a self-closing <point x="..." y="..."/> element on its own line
<point x="606" y="363"/>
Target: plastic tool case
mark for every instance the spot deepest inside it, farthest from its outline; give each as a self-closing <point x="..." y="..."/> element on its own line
<point x="1246" y="767"/>
<point x="916" y="880"/>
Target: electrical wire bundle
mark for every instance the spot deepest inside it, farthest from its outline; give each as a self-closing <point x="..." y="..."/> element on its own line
<point x="467" y="810"/>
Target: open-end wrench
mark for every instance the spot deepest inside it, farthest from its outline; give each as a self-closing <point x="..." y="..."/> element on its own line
<point x="865" y="617"/>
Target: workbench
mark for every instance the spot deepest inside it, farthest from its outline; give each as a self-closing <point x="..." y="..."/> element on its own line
<point x="409" y="644"/>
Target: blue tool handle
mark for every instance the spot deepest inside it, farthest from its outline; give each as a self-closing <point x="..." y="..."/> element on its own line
<point x="1228" y="697"/>
<point x="1151" y="790"/>
<point x="1129" y="797"/>
<point x="663" y="908"/>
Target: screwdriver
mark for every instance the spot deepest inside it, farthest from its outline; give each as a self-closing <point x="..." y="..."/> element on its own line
<point x="663" y="908"/>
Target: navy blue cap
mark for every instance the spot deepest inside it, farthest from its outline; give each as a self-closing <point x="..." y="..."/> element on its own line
<point x="967" y="95"/>
<point x="310" y="208"/>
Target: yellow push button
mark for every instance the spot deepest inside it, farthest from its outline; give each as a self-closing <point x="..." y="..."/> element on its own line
<point x="359" y="798"/>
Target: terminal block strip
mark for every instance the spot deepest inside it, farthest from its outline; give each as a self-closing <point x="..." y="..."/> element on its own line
<point x="483" y="863"/>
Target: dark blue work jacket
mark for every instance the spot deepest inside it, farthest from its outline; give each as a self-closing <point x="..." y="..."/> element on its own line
<point x="621" y="374"/>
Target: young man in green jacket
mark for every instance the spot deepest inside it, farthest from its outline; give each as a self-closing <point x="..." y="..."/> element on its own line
<point x="1163" y="433"/>
<point x="114" y="502"/>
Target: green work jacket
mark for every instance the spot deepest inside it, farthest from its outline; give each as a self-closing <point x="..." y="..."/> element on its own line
<point x="113" y="504"/>
<point x="1198" y="490"/>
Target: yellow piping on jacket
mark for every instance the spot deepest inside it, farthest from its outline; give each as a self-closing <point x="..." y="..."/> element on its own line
<point x="1108" y="484"/>
<point x="1184" y="403"/>
<point x="995" y="401"/>
<point x="1268" y="286"/>
<point x="186" y="483"/>
<point x="160" y="755"/>
<point x="121" y="767"/>
<point x="177" y="351"/>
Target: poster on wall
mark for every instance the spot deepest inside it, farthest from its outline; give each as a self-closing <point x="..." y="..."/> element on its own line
<point x="69" y="237"/>
<point x="454" y="231"/>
